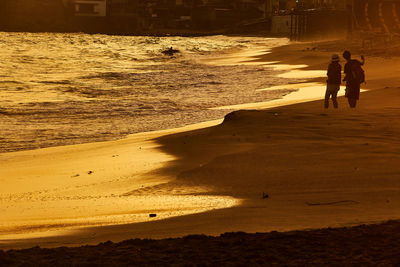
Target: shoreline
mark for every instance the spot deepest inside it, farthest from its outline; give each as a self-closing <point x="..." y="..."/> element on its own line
<point x="72" y="154"/>
<point x="86" y="160"/>
<point x="113" y="111"/>
<point x="240" y="146"/>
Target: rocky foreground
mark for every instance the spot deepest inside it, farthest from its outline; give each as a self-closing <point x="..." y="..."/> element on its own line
<point x="365" y="245"/>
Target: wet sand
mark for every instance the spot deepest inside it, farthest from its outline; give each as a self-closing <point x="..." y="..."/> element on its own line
<point x="319" y="168"/>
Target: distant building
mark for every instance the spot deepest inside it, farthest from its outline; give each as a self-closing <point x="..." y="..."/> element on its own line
<point x="127" y="16"/>
<point x="95" y="8"/>
<point x="143" y="16"/>
<point x="3" y="13"/>
<point x="32" y="15"/>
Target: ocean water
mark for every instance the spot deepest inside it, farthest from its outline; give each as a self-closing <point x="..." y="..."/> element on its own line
<point x="59" y="89"/>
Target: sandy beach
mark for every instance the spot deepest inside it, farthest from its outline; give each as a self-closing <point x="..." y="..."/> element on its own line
<point x="320" y="168"/>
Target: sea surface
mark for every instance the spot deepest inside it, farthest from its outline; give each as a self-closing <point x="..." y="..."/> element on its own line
<point x="58" y="89"/>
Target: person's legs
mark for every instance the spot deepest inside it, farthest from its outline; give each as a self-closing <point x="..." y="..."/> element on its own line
<point x="327" y="96"/>
<point x="334" y="99"/>
<point x="352" y="102"/>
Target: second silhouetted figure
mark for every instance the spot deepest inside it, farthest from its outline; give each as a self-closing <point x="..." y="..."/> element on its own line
<point x="333" y="82"/>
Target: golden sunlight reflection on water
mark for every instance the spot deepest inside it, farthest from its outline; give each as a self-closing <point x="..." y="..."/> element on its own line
<point x="303" y="74"/>
<point x="301" y="92"/>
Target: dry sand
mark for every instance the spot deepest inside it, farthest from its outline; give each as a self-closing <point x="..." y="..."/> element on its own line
<point x="320" y="168"/>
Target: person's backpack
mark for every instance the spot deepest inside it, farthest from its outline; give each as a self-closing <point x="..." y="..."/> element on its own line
<point x="357" y="73"/>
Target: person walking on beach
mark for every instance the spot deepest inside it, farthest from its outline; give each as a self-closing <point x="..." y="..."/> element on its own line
<point x="354" y="77"/>
<point x="333" y="82"/>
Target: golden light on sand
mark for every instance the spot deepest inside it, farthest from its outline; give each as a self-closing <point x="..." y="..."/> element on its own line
<point x="51" y="191"/>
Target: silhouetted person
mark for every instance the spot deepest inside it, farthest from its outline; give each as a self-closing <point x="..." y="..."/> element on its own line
<point x="333" y="82"/>
<point x="170" y="52"/>
<point x="354" y="76"/>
